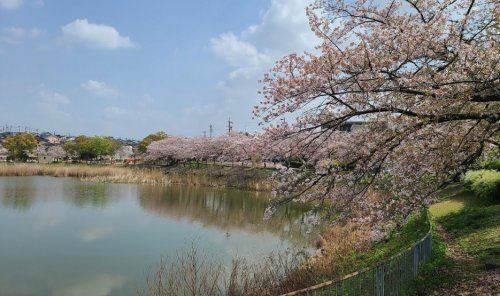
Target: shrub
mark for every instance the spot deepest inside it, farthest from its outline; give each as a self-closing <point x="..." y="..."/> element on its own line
<point x="491" y="165"/>
<point x="484" y="183"/>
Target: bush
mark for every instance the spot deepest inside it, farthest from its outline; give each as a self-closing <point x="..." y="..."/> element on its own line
<point x="484" y="183"/>
<point x="491" y="165"/>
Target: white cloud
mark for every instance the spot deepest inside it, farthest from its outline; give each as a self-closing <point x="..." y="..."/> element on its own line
<point x="94" y="36"/>
<point x="50" y="103"/>
<point x="114" y="111"/>
<point x="53" y="98"/>
<point x="99" y="88"/>
<point x="145" y="101"/>
<point x="10" y="4"/>
<point x="96" y="284"/>
<point x="95" y="233"/>
<point x="15" y="35"/>
<point x="235" y="52"/>
<point x="284" y="28"/>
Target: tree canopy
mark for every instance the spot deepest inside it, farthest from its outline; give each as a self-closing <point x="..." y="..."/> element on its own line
<point x="20" y="145"/>
<point x="422" y="76"/>
<point x="143" y="145"/>
<point x="90" y="147"/>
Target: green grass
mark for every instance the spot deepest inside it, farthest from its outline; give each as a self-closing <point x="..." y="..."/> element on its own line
<point x="473" y="224"/>
<point x="476" y="230"/>
<point x="416" y="228"/>
<point x="430" y="276"/>
<point x="401" y="239"/>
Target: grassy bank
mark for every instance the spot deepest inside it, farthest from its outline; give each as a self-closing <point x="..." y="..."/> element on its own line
<point x="466" y="246"/>
<point x="230" y="177"/>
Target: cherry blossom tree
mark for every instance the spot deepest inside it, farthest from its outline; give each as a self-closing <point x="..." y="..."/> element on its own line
<point x="57" y="152"/>
<point x="423" y="78"/>
<point x="228" y="147"/>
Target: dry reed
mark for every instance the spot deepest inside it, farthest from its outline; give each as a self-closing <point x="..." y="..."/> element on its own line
<point x="114" y="174"/>
<point x="192" y="273"/>
<point x="110" y="174"/>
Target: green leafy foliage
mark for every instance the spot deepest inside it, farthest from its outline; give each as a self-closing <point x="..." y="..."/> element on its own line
<point x="20" y="145"/>
<point x="143" y="145"/>
<point x="90" y="148"/>
<point x="484" y="183"/>
<point x="491" y="165"/>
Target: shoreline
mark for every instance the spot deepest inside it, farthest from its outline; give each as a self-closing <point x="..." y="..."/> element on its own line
<point x="252" y="179"/>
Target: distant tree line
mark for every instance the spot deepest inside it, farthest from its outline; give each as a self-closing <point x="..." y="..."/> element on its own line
<point x="90" y="148"/>
<point x="22" y="145"/>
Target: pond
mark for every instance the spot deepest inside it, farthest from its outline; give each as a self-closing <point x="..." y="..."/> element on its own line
<point x="62" y="236"/>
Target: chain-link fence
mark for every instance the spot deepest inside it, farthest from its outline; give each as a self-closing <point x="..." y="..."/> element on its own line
<point x="391" y="277"/>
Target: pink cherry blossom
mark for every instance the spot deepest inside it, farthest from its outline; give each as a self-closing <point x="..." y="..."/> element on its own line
<point x="423" y="78"/>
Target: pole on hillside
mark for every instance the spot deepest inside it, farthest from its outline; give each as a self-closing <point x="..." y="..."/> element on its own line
<point x="229" y="125"/>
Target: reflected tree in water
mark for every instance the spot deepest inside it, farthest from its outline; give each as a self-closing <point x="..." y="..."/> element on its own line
<point x="226" y="210"/>
<point x="18" y="195"/>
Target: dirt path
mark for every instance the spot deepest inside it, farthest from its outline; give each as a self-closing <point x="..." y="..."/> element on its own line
<point x="469" y="276"/>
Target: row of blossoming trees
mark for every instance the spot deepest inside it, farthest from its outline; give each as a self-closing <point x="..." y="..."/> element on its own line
<point x="233" y="147"/>
<point x="423" y="75"/>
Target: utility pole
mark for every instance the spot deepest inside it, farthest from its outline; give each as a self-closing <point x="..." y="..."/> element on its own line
<point x="283" y="120"/>
<point x="211" y="129"/>
<point x="229" y="125"/>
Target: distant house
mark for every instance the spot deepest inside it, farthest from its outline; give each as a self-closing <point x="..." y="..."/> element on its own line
<point x="53" y="140"/>
<point x="347" y="126"/>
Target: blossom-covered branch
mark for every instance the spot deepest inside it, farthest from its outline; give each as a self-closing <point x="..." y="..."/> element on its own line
<point x="423" y="79"/>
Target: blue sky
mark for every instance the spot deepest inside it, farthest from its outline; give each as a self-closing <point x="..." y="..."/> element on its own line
<point x="129" y="68"/>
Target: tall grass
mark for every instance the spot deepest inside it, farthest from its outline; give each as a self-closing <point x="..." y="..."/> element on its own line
<point x="195" y="273"/>
<point x="241" y="178"/>
<point x="87" y="172"/>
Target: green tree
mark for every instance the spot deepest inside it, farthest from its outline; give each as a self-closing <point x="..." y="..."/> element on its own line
<point x="91" y="148"/>
<point x="96" y="147"/>
<point x="143" y="145"/>
<point x="20" y="145"/>
<point x="71" y="148"/>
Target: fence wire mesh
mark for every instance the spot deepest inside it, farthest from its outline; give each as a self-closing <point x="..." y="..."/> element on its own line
<point x="391" y="277"/>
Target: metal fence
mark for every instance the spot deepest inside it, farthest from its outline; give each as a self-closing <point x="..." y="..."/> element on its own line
<point x="391" y="277"/>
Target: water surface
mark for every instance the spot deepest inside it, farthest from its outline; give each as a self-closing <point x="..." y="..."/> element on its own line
<point x="61" y="236"/>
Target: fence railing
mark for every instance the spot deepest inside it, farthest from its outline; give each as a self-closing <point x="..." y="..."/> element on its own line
<point x="390" y="277"/>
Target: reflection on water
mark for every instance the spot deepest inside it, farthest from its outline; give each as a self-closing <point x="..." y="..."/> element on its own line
<point x="227" y="210"/>
<point x="88" y="194"/>
<point x="60" y="236"/>
<point x="18" y="194"/>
